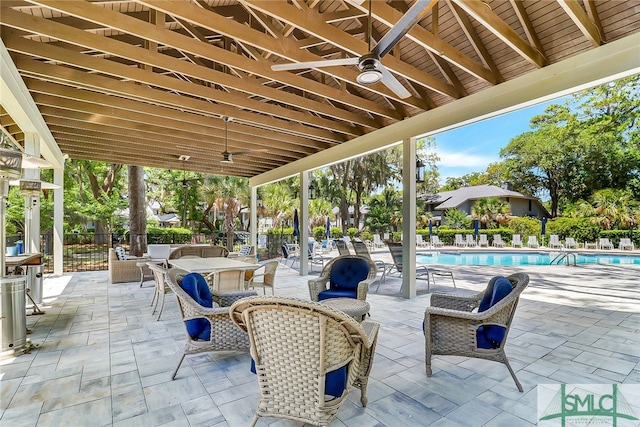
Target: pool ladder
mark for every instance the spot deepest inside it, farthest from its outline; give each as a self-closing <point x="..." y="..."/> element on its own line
<point x="565" y="256"/>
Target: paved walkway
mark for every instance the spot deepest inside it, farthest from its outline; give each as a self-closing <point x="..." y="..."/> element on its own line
<point x="103" y="359"/>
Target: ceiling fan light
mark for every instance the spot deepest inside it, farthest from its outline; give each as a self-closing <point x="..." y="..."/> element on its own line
<point x="226" y="158"/>
<point x="369" y="75"/>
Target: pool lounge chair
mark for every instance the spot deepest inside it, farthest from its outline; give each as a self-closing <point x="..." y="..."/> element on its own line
<point x="532" y="242"/>
<point x="554" y="242"/>
<point x="570" y="243"/>
<point x="459" y="241"/>
<point x="497" y="241"/>
<point x="421" y="270"/>
<point x="377" y="242"/>
<point x="483" y="240"/>
<point x="420" y="243"/>
<point x="362" y="250"/>
<point x="625" y="243"/>
<point x="470" y="241"/>
<point x="436" y="242"/>
<point x="604" y="243"/>
<point x="516" y="241"/>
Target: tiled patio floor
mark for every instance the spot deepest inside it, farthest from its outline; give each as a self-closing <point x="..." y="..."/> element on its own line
<point x="103" y="359"/>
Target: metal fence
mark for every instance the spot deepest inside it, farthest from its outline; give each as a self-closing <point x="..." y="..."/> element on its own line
<point x="90" y="252"/>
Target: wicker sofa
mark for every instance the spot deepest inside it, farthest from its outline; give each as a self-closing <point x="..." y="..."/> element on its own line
<point x="121" y="271"/>
<point x="203" y="251"/>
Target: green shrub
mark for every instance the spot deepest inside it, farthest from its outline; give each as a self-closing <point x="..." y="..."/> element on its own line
<point x="167" y="235"/>
<point x="336" y="232"/>
<point x="366" y="235"/>
<point x="352" y="232"/>
<point x="319" y="233"/>
<point x="396" y="236"/>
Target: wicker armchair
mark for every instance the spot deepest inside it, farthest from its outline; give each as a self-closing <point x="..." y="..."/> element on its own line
<point x="339" y="283"/>
<point x="451" y="328"/>
<point x="224" y="334"/>
<point x="299" y="347"/>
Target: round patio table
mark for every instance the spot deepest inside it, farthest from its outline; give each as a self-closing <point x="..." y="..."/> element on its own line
<point x="355" y="308"/>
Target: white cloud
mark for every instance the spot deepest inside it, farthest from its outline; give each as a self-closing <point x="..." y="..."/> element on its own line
<point x="466" y="160"/>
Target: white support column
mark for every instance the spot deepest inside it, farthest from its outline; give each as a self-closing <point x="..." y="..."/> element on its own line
<point x="58" y="221"/>
<point x="409" y="218"/>
<point x="254" y="217"/>
<point x="32" y="203"/>
<point x="304" y="223"/>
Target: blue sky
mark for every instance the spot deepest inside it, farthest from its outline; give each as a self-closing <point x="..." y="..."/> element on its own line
<point x="473" y="147"/>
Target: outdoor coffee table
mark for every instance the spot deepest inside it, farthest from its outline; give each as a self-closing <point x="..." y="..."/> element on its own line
<point x="355" y="308"/>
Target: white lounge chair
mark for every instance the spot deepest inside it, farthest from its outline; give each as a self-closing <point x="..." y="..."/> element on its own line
<point x="459" y="241"/>
<point x="470" y="241"/>
<point x="436" y="242"/>
<point x="604" y="243"/>
<point x="483" y="240"/>
<point x="377" y="242"/>
<point x="532" y="242"/>
<point x="420" y="242"/>
<point x="626" y="243"/>
<point x="554" y="242"/>
<point x="570" y="243"/>
<point x="516" y="241"/>
<point x="497" y="241"/>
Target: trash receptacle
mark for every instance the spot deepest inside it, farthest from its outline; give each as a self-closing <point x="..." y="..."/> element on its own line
<point x="34" y="283"/>
<point x="13" y="315"/>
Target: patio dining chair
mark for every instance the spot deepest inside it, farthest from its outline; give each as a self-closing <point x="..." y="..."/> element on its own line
<point x="267" y="274"/>
<point x="205" y="315"/>
<point x="161" y="287"/>
<point x="453" y="327"/>
<point x="306" y="356"/>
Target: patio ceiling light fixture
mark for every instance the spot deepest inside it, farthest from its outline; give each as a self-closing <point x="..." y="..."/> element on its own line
<point x="312" y="190"/>
<point x="420" y="170"/>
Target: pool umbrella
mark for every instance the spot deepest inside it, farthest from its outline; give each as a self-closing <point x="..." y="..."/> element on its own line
<point x="544" y="226"/>
<point x="476" y="226"/>
<point x="296" y="223"/>
<point x="328" y="227"/>
<point x="430" y="228"/>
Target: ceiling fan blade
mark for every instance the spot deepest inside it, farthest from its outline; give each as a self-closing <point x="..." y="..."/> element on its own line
<point x="239" y="153"/>
<point x="315" y="64"/>
<point x="390" y="81"/>
<point x="402" y="27"/>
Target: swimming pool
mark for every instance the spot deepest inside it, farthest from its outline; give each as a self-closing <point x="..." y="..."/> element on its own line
<point x="506" y="259"/>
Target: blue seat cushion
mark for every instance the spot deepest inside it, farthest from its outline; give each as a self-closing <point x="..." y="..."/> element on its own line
<point x="491" y="336"/>
<point x="347" y="273"/>
<point x="334" y="382"/>
<point x="196" y="286"/>
<point x="337" y="293"/>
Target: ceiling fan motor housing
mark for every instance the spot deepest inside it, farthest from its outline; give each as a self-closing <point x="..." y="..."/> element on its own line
<point x="368" y="65"/>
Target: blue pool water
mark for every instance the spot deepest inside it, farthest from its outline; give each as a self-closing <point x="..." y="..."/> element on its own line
<point x="518" y="258"/>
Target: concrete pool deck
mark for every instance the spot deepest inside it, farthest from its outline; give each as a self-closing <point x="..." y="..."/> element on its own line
<point x="103" y="359"/>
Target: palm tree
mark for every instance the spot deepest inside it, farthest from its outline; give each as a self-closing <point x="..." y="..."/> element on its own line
<point x="228" y="194"/>
<point x="278" y="203"/>
<point x="491" y="211"/>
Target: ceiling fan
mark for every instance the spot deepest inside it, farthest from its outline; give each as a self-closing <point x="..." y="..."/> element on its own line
<point x="226" y="154"/>
<point x="371" y="69"/>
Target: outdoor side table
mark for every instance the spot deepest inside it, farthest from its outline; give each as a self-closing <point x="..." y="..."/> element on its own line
<point x="355" y="308"/>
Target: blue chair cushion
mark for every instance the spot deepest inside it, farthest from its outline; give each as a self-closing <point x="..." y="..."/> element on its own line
<point x="491" y="336"/>
<point x="346" y="273"/>
<point x="337" y="293"/>
<point x="334" y="382"/>
<point x="196" y="286"/>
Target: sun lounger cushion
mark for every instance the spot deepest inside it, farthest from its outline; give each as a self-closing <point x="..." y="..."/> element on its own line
<point x="490" y="336"/>
<point x="345" y="276"/>
<point x="196" y="286"/>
